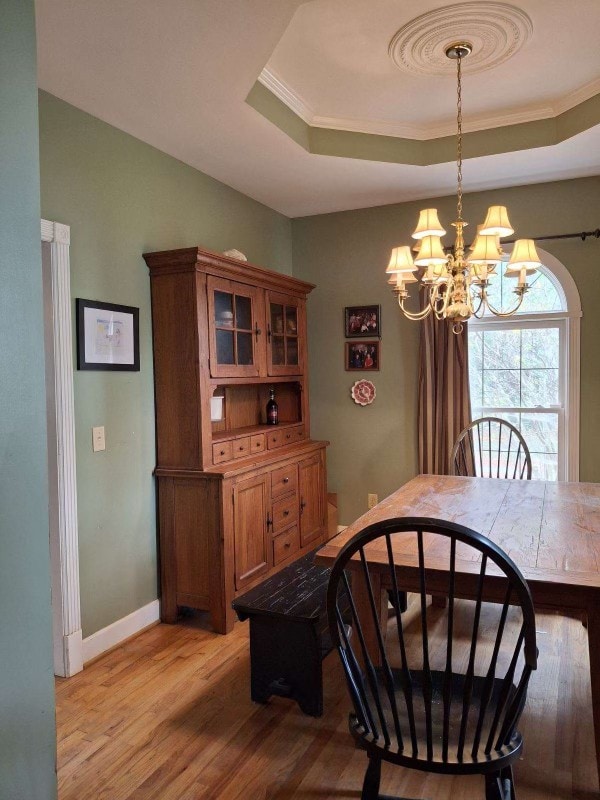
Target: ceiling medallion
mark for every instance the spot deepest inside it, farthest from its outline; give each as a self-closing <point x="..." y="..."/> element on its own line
<point x="496" y="32"/>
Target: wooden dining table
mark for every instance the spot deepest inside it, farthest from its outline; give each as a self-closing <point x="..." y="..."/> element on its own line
<point x="550" y="529"/>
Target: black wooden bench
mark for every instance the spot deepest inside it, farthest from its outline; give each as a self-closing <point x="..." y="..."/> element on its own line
<point x="289" y="635"/>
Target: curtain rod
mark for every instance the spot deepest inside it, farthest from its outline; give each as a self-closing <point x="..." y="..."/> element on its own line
<point x="583" y="236"/>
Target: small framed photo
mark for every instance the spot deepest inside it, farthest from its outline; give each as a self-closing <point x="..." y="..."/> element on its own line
<point x="108" y="336"/>
<point x="361" y="321"/>
<point x="362" y="356"/>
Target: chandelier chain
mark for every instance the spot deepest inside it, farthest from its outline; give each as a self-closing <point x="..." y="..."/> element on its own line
<point x="459" y="134"/>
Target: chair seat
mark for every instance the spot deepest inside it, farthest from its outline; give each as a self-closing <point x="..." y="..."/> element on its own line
<point x="407" y="755"/>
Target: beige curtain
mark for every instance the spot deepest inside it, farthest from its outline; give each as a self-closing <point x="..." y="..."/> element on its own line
<point x="444" y="403"/>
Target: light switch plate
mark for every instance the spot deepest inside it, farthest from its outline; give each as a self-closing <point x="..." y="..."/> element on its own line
<point x="98" y="441"/>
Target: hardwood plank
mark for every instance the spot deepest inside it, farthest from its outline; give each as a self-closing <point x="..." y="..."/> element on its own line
<point x="168" y="717"/>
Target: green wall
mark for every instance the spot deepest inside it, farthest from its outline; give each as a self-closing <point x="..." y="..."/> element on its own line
<point x="122" y="198"/>
<point x="373" y="449"/>
<point x="27" y="738"/>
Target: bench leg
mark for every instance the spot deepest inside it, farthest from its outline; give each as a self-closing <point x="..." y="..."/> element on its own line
<point x="286" y="660"/>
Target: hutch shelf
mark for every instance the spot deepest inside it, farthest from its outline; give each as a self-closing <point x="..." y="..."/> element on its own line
<point x="238" y="499"/>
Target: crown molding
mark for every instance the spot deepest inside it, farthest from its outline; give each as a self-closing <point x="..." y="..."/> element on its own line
<point x="287" y="95"/>
<point x="569" y="101"/>
<point x="284" y="92"/>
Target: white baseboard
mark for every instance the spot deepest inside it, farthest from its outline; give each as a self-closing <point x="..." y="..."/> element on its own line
<point x="118" y="631"/>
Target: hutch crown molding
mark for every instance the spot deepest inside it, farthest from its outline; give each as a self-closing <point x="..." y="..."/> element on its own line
<point x="238" y="499"/>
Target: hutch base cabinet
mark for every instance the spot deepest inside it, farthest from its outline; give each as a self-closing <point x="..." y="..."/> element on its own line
<point x="238" y="499"/>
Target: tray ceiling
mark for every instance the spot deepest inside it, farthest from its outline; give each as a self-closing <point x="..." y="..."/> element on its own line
<point x="335" y="123"/>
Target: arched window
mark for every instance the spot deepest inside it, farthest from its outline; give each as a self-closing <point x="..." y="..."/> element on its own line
<point x="525" y="368"/>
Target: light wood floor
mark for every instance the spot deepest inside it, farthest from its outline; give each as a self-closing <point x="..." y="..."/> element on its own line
<point x="168" y="717"/>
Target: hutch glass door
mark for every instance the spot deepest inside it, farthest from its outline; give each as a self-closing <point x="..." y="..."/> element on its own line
<point x="235" y="334"/>
<point x="284" y="343"/>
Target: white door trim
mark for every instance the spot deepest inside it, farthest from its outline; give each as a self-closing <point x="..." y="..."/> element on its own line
<point x="64" y="542"/>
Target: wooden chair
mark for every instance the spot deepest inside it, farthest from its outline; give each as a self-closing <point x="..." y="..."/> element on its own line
<point x="440" y="691"/>
<point x="491" y="448"/>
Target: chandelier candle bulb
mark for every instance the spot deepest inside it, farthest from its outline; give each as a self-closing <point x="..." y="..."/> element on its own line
<point x="523" y="261"/>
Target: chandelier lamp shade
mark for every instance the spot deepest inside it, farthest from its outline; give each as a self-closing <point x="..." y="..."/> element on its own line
<point x="455" y="284"/>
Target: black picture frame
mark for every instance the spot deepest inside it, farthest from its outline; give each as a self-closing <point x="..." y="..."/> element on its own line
<point x="128" y="337"/>
<point x="363" y="356"/>
<point x="362" y="322"/>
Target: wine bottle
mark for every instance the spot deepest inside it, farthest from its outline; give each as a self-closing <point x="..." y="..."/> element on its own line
<point x="272" y="409"/>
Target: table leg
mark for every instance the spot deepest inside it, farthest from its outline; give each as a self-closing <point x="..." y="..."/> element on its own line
<point x="593" y="628"/>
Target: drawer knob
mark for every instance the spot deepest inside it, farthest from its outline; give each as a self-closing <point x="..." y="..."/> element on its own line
<point x="286" y="480"/>
<point x="286" y="513"/>
<point x="241" y="447"/>
<point x="288" y="436"/>
<point x="287" y="544"/>
<point x="222" y="453"/>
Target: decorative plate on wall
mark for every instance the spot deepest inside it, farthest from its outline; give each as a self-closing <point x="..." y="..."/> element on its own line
<point x="363" y="392"/>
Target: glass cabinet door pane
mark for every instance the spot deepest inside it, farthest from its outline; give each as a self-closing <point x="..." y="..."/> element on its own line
<point x="291" y="320"/>
<point x="224" y="310"/>
<point x="276" y="319"/>
<point x="292" y="350"/>
<point x="243" y="313"/>
<point x="244" y="348"/>
<point x="278" y="350"/>
<point x="224" y="347"/>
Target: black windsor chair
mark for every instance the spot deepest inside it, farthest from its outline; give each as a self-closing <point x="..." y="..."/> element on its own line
<point x="444" y="690"/>
<point x="491" y="448"/>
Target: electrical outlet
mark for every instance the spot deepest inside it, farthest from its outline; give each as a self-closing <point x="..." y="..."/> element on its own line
<point x="98" y="440"/>
<point x="372" y="500"/>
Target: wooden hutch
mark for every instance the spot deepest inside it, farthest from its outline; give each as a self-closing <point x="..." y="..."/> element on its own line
<point x="238" y="499"/>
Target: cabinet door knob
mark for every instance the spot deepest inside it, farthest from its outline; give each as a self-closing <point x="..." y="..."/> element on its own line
<point x="241" y="447"/>
<point x="257" y="331"/>
<point x="288" y="436"/>
<point x="286" y="513"/>
<point x="302" y="505"/>
<point x="286" y="480"/>
<point x="287" y="544"/>
<point x="222" y="453"/>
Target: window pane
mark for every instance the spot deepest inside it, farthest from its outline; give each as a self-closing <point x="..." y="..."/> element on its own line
<point x="292" y="351"/>
<point x="501" y="387"/>
<point x="475" y="366"/>
<point x="225" y="347"/>
<point x="540" y="432"/>
<point x="476" y="387"/>
<point x="224" y="309"/>
<point x="243" y="312"/>
<point x="539" y="347"/>
<point x="502" y="349"/>
<point x="544" y="466"/>
<point x="276" y="318"/>
<point x="291" y="320"/>
<point x="244" y="348"/>
<point x="278" y="350"/>
<point x="541" y="296"/>
<point x="539" y="387"/>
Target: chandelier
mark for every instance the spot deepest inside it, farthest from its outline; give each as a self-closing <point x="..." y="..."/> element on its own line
<point x="455" y="285"/>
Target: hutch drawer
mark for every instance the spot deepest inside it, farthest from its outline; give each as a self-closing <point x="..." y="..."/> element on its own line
<point x="284" y="480"/>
